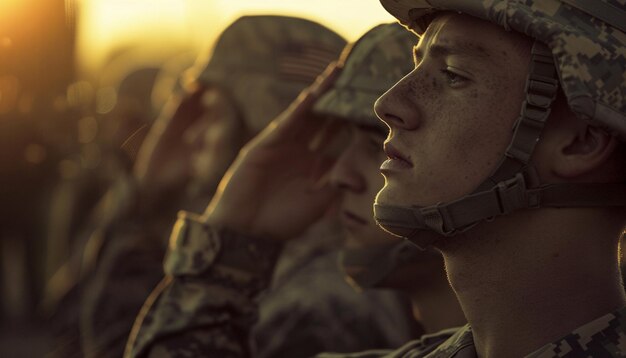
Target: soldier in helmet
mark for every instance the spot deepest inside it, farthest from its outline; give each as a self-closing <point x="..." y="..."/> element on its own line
<point x="258" y="66"/>
<point x="337" y="130"/>
<point x="505" y="153"/>
<point x="528" y="220"/>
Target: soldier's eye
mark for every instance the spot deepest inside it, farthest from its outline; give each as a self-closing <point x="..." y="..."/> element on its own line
<point x="453" y="78"/>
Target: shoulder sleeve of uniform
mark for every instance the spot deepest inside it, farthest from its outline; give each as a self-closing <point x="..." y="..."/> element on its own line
<point x="196" y="249"/>
<point x="205" y="307"/>
<point x="415" y="349"/>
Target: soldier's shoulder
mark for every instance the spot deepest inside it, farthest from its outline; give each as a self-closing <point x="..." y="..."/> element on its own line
<point x="415" y="349"/>
<point x="602" y="337"/>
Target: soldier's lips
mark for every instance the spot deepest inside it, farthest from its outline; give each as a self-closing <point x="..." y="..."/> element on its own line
<point x="394" y="164"/>
<point x="396" y="160"/>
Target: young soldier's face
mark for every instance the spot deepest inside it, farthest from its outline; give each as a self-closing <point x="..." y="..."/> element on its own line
<point x="451" y="118"/>
<point x="355" y="174"/>
<point x="357" y="177"/>
<point x="215" y="139"/>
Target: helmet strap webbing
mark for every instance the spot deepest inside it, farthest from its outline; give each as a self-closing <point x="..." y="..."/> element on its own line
<point x="514" y="184"/>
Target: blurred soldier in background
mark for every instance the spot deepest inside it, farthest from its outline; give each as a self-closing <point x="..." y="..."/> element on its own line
<point x="78" y="209"/>
<point x="372" y="258"/>
<point x="342" y="131"/>
<point x="101" y="162"/>
<point x="179" y="166"/>
<point x="353" y="134"/>
<point x="524" y="287"/>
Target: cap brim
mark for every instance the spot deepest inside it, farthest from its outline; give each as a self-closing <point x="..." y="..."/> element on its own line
<point x="260" y="97"/>
<point x="399" y="9"/>
<point x="350" y="105"/>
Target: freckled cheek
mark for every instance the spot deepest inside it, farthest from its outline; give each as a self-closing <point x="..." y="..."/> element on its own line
<point x="491" y="131"/>
<point x="466" y="141"/>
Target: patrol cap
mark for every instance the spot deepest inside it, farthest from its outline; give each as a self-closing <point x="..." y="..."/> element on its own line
<point x="264" y="62"/>
<point x="371" y="66"/>
<point x="587" y="39"/>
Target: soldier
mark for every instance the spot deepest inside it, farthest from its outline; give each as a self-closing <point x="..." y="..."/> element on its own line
<point x="529" y="238"/>
<point x="258" y="66"/>
<point x="351" y="137"/>
<point x="371" y="258"/>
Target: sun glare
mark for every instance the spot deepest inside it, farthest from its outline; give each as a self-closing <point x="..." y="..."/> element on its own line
<point x="11" y="10"/>
<point x="351" y="18"/>
<point x="107" y="24"/>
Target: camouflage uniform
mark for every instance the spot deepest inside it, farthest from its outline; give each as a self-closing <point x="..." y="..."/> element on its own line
<point x="187" y="317"/>
<point x="198" y="313"/>
<point x="602" y="337"/>
<point x="298" y="315"/>
<point x="126" y="256"/>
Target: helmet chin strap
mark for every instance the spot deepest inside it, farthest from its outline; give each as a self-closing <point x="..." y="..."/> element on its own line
<point x="514" y="184"/>
<point x="377" y="262"/>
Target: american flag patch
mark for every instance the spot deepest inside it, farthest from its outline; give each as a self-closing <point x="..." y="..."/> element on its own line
<point x="303" y="63"/>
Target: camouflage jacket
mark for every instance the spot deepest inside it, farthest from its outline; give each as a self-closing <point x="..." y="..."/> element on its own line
<point x="602" y="337"/>
<point x="309" y="308"/>
<point x="127" y="270"/>
<point x="207" y="304"/>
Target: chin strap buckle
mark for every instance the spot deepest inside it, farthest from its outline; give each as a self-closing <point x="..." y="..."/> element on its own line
<point x="438" y="219"/>
<point x="515" y="194"/>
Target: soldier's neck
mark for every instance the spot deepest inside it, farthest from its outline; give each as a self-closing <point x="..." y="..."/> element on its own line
<point x="544" y="274"/>
<point x="437" y="308"/>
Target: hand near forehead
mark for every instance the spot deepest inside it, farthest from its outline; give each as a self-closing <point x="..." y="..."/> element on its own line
<point x="272" y="190"/>
<point x="163" y="159"/>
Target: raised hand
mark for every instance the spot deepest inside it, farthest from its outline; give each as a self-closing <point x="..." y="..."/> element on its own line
<point x="273" y="189"/>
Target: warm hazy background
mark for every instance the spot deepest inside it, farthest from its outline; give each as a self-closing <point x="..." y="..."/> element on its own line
<point x="70" y="71"/>
<point x="160" y="26"/>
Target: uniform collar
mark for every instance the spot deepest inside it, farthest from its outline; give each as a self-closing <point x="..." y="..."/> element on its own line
<point x="603" y="337"/>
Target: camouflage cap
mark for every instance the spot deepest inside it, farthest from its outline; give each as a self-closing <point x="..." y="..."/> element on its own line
<point x="265" y="61"/>
<point x="586" y="38"/>
<point x="373" y="64"/>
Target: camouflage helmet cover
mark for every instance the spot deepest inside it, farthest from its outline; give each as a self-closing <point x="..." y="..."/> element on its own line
<point x="371" y="65"/>
<point x="586" y="38"/>
<point x="265" y="61"/>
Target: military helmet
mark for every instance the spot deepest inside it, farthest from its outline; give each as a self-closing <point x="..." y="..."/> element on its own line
<point x="586" y="38"/>
<point x="370" y="66"/>
<point x="579" y="46"/>
<point x="264" y="62"/>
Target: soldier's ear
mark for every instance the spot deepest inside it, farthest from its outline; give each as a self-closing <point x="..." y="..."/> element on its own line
<point x="580" y="149"/>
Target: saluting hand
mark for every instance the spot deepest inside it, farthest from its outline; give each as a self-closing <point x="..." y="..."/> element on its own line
<point x="273" y="189"/>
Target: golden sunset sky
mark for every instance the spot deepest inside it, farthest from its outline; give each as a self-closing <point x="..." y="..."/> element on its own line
<point x="159" y="27"/>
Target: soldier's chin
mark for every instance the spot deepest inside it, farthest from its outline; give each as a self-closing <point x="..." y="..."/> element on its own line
<point x="392" y="195"/>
